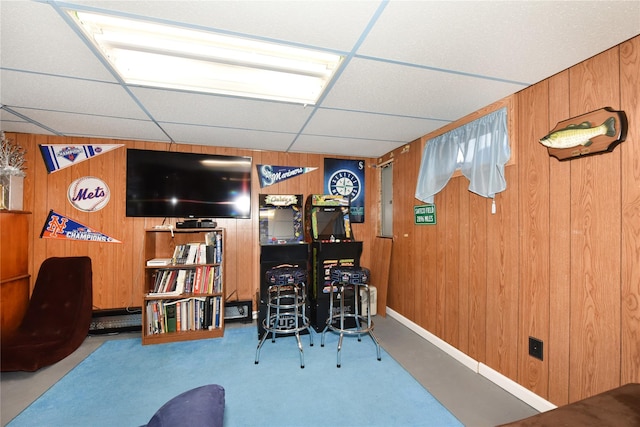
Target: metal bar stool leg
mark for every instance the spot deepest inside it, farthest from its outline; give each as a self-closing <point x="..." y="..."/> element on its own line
<point x="341" y="294"/>
<point x="269" y="322"/>
<point x="346" y="279"/>
<point x="330" y="318"/>
<point x="262" y="340"/>
<point x="297" y="301"/>
<point x="370" y="323"/>
<point x="356" y="310"/>
<point x="287" y="298"/>
<point x="304" y="313"/>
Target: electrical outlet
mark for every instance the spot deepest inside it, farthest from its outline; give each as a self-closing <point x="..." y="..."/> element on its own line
<point x="535" y="348"/>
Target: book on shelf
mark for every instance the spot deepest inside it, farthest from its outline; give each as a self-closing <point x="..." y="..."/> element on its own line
<point x="198" y="279"/>
<point x="180" y="282"/>
<point x="178" y="317"/>
<point x="179" y="255"/>
<point x="196" y="253"/>
<point x="197" y="286"/>
<point x="161" y="279"/>
<point x="158" y="262"/>
<point x="170" y="316"/>
<point x="152" y="319"/>
<point x="213" y="240"/>
<point x="210" y="238"/>
<point x="186" y="314"/>
<point x="218" y="312"/>
<point x="168" y="285"/>
<point x="174" y="282"/>
<point x="192" y="253"/>
<point x="210" y="254"/>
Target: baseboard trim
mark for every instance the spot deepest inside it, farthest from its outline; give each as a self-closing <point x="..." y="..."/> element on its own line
<point x="522" y="393"/>
<point x="512" y="387"/>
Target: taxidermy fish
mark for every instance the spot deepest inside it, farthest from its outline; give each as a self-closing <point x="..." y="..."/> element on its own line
<point x="574" y="135"/>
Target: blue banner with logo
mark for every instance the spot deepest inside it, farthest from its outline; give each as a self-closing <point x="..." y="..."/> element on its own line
<point x="346" y="178"/>
<point x="58" y="226"/>
<point x="270" y="174"/>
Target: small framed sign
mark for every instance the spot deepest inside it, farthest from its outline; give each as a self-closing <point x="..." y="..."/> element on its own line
<point x="424" y="214"/>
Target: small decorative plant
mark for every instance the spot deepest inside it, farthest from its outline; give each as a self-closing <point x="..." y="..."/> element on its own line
<point x="11" y="158"/>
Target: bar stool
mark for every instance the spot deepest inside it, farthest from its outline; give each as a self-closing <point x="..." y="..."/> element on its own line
<point x="286" y="306"/>
<point x="344" y="281"/>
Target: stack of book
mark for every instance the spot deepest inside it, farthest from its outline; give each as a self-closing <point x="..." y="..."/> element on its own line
<point x="188" y="314"/>
<point x="201" y="279"/>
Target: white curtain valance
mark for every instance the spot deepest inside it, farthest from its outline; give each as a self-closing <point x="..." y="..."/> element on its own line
<point x="480" y="149"/>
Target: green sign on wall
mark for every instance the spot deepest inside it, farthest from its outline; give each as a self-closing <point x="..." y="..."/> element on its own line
<point x="425" y="214"/>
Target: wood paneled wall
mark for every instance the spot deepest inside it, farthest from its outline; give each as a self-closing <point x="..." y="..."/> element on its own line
<point x="118" y="267"/>
<point x="560" y="259"/>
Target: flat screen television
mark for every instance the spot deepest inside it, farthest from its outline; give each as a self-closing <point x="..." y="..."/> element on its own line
<point x="187" y="185"/>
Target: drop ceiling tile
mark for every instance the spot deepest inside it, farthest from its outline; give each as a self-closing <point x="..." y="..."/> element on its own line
<point x="517" y="41"/>
<point x="77" y="124"/>
<point x="228" y="137"/>
<point x="342" y="146"/>
<point x="360" y="125"/>
<point x="389" y="88"/>
<point x="211" y="110"/>
<point x="38" y="91"/>
<point x="12" y="123"/>
<point x="33" y="37"/>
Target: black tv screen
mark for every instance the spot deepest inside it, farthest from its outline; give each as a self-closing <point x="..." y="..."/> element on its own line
<point x="330" y="222"/>
<point x="187" y="185"/>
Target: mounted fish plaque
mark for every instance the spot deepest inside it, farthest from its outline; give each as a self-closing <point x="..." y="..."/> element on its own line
<point x="592" y="133"/>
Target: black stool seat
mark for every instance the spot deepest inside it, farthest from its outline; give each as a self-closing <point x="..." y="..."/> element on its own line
<point x="350" y="275"/>
<point x="286" y="276"/>
<point x="286" y="306"/>
<point x="345" y="279"/>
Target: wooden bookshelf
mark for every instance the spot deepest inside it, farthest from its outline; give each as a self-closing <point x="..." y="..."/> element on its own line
<point x="184" y="297"/>
<point x="14" y="269"/>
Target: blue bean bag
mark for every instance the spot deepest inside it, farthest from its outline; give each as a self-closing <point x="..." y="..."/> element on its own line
<point x="201" y="406"/>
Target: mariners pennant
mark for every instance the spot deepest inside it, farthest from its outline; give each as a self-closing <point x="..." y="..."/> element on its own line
<point x="58" y="156"/>
<point x="60" y="227"/>
<point x="270" y="174"/>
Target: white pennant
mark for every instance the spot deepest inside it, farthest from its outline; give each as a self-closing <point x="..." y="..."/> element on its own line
<point x="58" y="156"/>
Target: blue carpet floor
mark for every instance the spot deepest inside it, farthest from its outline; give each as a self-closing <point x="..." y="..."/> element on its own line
<point x="123" y="383"/>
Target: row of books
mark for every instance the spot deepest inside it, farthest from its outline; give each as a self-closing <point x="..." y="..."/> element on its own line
<point x="189" y="314"/>
<point x="207" y="252"/>
<point x="193" y="253"/>
<point x="202" y="279"/>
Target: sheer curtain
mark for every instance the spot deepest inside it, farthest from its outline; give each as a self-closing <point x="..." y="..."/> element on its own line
<point x="480" y="149"/>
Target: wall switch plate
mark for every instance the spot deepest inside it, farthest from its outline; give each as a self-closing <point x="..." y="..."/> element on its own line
<point x="535" y="348"/>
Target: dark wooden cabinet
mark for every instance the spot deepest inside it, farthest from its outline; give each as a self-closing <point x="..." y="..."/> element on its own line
<point x="14" y="268"/>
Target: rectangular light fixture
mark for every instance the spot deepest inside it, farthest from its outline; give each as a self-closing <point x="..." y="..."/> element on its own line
<point x="150" y="54"/>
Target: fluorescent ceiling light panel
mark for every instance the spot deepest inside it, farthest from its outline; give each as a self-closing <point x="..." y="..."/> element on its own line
<point x="149" y="54"/>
